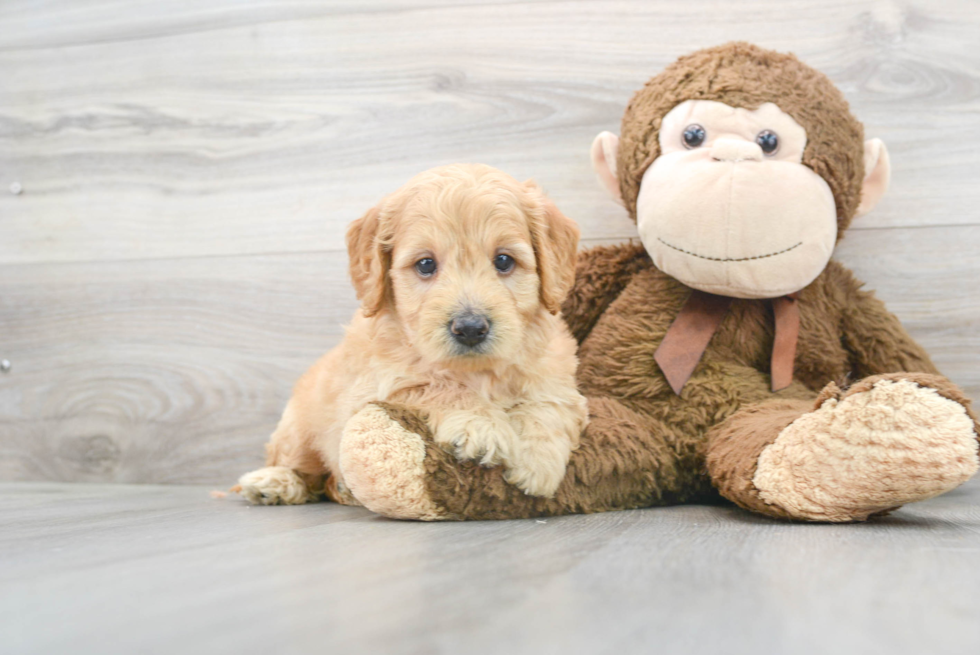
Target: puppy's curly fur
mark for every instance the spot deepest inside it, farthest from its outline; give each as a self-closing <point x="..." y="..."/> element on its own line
<point x="500" y="252"/>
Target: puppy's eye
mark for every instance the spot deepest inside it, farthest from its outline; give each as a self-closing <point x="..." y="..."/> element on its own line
<point x="693" y="135"/>
<point x="425" y="266"/>
<point x="503" y="263"/>
<point x="768" y="141"/>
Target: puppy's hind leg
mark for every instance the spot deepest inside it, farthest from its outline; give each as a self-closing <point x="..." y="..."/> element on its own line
<point x="275" y="485"/>
<point x="294" y="473"/>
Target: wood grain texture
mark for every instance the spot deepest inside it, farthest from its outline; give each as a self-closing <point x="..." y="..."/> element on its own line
<point x="177" y="370"/>
<point x="175" y="259"/>
<point x="124" y="569"/>
<point x="172" y="373"/>
<point x="230" y="131"/>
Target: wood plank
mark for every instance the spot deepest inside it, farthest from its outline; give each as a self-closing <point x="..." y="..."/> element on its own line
<point x="158" y="371"/>
<point x="177" y="370"/>
<point x="120" y="569"/>
<point x="148" y="130"/>
<point x="61" y="24"/>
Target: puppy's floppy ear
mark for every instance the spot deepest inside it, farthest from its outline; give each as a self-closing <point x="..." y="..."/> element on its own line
<point x="555" y="240"/>
<point x="370" y="260"/>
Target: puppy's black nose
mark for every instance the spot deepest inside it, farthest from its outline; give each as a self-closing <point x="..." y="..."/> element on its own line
<point x="469" y="329"/>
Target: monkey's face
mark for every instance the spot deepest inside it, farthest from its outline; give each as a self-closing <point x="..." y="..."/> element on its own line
<point x="729" y="208"/>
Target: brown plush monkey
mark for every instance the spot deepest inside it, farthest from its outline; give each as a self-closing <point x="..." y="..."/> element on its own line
<point x="742" y="168"/>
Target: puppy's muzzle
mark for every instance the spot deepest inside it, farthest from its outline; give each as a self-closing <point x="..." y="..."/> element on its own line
<point x="469" y="329"/>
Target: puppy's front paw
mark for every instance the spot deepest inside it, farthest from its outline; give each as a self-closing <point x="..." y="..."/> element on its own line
<point x="539" y="468"/>
<point x="274" y="485"/>
<point x="476" y="437"/>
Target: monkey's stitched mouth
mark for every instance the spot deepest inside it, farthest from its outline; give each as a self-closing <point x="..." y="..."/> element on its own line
<point x="730" y="259"/>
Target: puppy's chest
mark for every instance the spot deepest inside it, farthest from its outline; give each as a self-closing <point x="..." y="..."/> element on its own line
<point x="460" y="391"/>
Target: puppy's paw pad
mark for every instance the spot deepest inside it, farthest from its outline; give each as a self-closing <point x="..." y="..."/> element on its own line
<point x="273" y="485"/>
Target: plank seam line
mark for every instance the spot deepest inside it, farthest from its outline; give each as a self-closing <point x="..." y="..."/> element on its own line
<point x="330" y="251"/>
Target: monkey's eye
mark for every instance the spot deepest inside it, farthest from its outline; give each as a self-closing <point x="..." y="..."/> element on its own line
<point x="693" y="135"/>
<point x="425" y="266"/>
<point x="768" y="141"/>
<point x="503" y="263"/>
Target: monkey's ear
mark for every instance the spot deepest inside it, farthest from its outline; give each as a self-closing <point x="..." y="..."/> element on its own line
<point x="604" y="151"/>
<point x="877" y="173"/>
<point x="369" y="261"/>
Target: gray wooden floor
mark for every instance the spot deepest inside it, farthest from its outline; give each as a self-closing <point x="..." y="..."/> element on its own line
<point x="151" y="569"/>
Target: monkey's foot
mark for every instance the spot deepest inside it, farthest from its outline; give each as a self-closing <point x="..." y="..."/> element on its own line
<point x="885" y="442"/>
<point x="382" y="457"/>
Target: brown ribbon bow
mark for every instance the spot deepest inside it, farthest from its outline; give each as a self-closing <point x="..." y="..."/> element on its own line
<point x="689" y="334"/>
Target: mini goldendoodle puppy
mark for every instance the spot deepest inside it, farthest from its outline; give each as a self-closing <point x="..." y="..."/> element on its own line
<point x="461" y="274"/>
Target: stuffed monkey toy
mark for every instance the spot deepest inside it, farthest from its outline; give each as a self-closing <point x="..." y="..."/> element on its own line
<point x="728" y="354"/>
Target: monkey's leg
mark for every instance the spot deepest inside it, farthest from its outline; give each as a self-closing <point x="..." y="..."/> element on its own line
<point x="885" y="442"/>
<point x="625" y="460"/>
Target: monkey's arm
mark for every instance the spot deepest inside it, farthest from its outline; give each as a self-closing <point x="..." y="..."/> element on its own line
<point x="875" y="338"/>
<point x="601" y="274"/>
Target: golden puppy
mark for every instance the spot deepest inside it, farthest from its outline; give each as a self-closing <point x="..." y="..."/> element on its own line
<point x="461" y="274"/>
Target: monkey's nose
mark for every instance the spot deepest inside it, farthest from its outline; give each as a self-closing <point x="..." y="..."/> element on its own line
<point x="735" y="150"/>
<point x="469" y="329"/>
